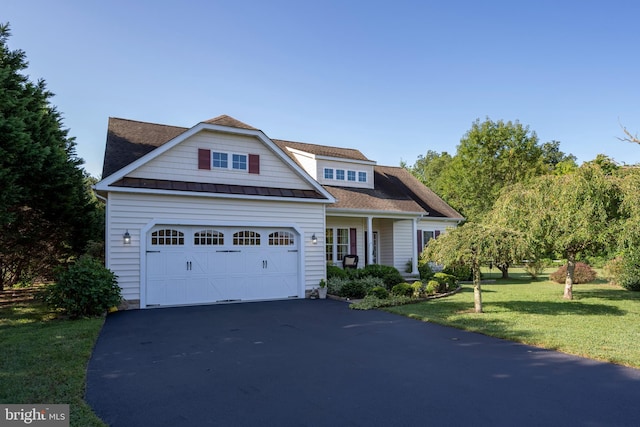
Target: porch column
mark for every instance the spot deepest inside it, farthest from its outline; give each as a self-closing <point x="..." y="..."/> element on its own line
<point x="370" y="239"/>
<point x="414" y="239"/>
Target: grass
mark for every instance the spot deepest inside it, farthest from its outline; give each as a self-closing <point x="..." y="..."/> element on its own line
<point x="44" y="358"/>
<point x="602" y="321"/>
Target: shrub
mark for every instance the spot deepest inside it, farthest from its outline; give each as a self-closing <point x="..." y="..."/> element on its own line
<point x="433" y="287"/>
<point x="460" y="272"/>
<point x="447" y="281"/>
<point x="353" y="289"/>
<point x="425" y="270"/>
<point x="403" y="289"/>
<point x="582" y="274"/>
<point x="335" y="284"/>
<point x="613" y="269"/>
<point x="334" y="271"/>
<point x="379" y="292"/>
<point x="418" y="289"/>
<point x="85" y="288"/>
<point x="390" y="275"/>
<point x="370" y="302"/>
<point x="629" y="277"/>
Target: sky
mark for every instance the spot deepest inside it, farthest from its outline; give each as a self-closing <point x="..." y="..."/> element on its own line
<point x="392" y="79"/>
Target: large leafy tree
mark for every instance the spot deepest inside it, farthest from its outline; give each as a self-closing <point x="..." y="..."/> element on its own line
<point x="473" y="243"/>
<point x="490" y="156"/>
<point x="570" y="214"/>
<point x="46" y="213"/>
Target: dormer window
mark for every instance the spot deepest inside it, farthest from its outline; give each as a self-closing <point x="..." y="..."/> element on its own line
<point x="220" y="160"/>
<point x="328" y="173"/>
<point x="239" y="162"/>
<point x="362" y="177"/>
<point x="351" y="175"/>
<point x="340" y="174"/>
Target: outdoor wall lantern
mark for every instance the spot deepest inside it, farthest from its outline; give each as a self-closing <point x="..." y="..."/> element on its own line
<point x="126" y="238"/>
<point x="314" y="239"/>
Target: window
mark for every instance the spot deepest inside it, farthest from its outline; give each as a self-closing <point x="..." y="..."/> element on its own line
<point x="281" y="238"/>
<point x="340" y="174"/>
<point x="362" y="177"/>
<point x="337" y="245"/>
<point x="239" y="162"/>
<point x="208" y="237"/>
<point x="246" y="238"/>
<point x="167" y="237"/>
<point x="329" y="245"/>
<point x="220" y="160"/>
<point x="351" y="175"/>
<point x="328" y="173"/>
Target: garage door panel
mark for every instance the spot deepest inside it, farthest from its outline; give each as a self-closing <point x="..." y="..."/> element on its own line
<point x="204" y="270"/>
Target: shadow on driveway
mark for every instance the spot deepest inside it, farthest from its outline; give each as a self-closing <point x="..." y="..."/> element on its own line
<point x="318" y="363"/>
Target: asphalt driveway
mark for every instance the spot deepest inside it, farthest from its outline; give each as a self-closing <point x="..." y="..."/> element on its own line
<point x="318" y="363"/>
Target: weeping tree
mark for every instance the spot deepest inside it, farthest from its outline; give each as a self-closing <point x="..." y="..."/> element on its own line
<point x="573" y="214"/>
<point x="473" y="243"/>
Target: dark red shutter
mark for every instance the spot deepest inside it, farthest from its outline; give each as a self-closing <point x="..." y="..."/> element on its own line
<point x="420" y="245"/>
<point x="436" y="234"/>
<point x="254" y="163"/>
<point x="204" y="158"/>
<point x="353" y="243"/>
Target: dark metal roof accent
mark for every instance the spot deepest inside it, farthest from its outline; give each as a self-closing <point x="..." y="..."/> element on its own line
<point x="198" y="187"/>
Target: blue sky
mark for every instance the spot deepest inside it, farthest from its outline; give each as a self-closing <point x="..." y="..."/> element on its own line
<point x="390" y="78"/>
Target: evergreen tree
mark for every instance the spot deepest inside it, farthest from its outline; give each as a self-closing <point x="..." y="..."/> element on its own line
<point x="46" y="213"/>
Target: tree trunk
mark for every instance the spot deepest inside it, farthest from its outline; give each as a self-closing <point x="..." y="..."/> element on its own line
<point x="505" y="270"/>
<point x="477" y="291"/>
<point x="568" y="283"/>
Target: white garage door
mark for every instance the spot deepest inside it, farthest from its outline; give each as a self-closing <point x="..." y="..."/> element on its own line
<point x="198" y="265"/>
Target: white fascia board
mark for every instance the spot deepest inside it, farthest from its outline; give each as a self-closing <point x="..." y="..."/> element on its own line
<point x="346" y="160"/>
<point x="105" y="184"/>
<point x="161" y="192"/>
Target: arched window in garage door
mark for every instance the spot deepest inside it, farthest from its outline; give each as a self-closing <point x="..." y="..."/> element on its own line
<point x="208" y="237"/>
<point x="281" y="238"/>
<point x="246" y="238"/>
<point x="167" y="237"/>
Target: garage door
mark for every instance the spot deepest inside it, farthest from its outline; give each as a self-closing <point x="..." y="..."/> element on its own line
<point x="199" y="265"/>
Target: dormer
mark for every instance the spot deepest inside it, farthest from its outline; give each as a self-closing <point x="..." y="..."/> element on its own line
<point x="333" y="166"/>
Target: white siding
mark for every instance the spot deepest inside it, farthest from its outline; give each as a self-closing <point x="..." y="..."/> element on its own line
<point x="308" y="163"/>
<point x="133" y="212"/>
<point x="181" y="163"/>
<point x="402" y="243"/>
<point x="385" y="229"/>
<point x="346" y="166"/>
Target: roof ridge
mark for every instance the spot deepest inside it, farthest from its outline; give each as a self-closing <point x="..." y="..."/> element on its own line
<point x="146" y="123"/>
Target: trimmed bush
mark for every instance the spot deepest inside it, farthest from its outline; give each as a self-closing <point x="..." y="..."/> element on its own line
<point x="447" y="281"/>
<point x="402" y="289"/>
<point x="418" y="289"/>
<point x="379" y="292"/>
<point x="370" y="302"/>
<point x="353" y="289"/>
<point x="460" y="272"/>
<point x="334" y="271"/>
<point x="433" y="287"/>
<point x="390" y="275"/>
<point x="582" y="274"/>
<point x="85" y="288"/>
<point x="335" y="284"/>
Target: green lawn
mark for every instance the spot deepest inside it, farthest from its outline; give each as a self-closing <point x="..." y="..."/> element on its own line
<point x="601" y="322"/>
<point x="44" y="358"/>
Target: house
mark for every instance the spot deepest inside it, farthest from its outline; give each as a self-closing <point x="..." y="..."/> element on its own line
<point x="221" y="212"/>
